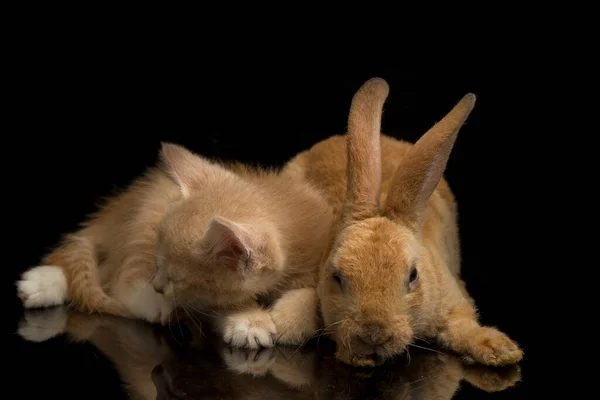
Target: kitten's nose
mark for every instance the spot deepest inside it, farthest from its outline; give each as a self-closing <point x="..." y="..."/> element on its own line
<point x="158" y="287"/>
<point x="375" y="334"/>
<point x="159" y="283"/>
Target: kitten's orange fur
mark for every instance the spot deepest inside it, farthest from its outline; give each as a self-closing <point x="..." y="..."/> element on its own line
<point x="194" y="234"/>
<point x="394" y="212"/>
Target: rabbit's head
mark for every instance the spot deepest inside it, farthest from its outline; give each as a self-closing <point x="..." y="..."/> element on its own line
<point x="377" y="281"/>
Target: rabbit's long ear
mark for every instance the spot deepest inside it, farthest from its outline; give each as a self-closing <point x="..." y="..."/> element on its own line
<point x="421" y="170"/>
<point x="364" y="150"/>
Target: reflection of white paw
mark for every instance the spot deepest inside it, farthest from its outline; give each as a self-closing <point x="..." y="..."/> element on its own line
<point x="252" y="329"/>
<point x="43" y="286"/>
<point x="149" y="305"/>
<point x="38" y="326"/>
<point x="246" y="361"/>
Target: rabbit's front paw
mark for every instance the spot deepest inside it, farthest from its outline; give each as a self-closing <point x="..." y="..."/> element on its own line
<point x="245" y="361"/>
<point x="489" y="346"/>
<point x="252" y="329"/>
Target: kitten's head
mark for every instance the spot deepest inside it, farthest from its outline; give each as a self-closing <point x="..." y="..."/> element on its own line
<point x="205" y="259"/>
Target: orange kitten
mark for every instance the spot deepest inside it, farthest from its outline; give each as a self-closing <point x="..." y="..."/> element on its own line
<point x="190" y="234"/>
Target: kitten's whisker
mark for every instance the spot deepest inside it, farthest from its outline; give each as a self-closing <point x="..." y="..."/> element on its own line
<point x="190" y="316"/>
<point x="421" y="339"/>
<point x="146" y="284"/>
<point x="329" y="326"/>
<point x="178" y="324"/>
<point x="193" y="320"/>
<point x="174" y="335"/>
<point x="171" y="331"/>
<point x="150" y="279"/>
<point x="301" y="345"/>
<point x="200" y="311"/>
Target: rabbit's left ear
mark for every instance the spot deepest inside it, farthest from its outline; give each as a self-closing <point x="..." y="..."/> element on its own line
<point x="364" y="151"/>
<point x="422" y="168"/>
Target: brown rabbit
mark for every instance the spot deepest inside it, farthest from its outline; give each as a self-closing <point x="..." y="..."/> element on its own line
<point x="391" y="273"/>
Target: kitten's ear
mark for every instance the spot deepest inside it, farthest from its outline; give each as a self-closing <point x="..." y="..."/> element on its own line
<point x="227" y="241"/>
<point x="185" y="167"/>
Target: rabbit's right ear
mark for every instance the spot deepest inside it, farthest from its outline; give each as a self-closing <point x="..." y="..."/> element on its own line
<point x="364" y="150"/>
<point x="421" y="170"/>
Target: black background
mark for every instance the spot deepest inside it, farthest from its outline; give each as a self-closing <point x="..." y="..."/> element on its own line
<point x="88" y="118"/>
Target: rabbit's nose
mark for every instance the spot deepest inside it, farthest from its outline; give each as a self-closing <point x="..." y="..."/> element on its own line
<point x="375" y="334"/>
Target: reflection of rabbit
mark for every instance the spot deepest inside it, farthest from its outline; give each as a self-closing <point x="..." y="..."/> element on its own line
<point x="426" y="375"/>
<point x="392" y="270"/>
<point x="314" y="372"/>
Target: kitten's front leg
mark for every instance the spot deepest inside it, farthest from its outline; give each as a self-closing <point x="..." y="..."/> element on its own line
<point x="252" y="328"/>
<point x="486" y="345"/>
<point x="141" y="299"/>
<point x="295" y="316"/>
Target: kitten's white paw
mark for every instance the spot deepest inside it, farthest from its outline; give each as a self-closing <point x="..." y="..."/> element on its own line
<point x="41" y="325"/>
<point x="43" y="286"/>
<point x="246" y="361"/>
<point x="149" y="305"/>
<point x="252" y="329"/>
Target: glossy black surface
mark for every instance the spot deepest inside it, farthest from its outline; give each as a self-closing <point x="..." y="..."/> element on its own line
<point x="108" y="357"/>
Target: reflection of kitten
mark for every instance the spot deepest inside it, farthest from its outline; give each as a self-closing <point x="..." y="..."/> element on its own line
<point x="131" y="345"/>
<point x="221" y="235"/>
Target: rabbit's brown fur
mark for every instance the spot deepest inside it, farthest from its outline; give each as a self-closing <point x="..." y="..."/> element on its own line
<point x="395" y="213"/>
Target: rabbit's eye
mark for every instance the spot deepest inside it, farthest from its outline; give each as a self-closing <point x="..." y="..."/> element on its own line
<point x="337" y="278"/>
<point x="413" y="275"/>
